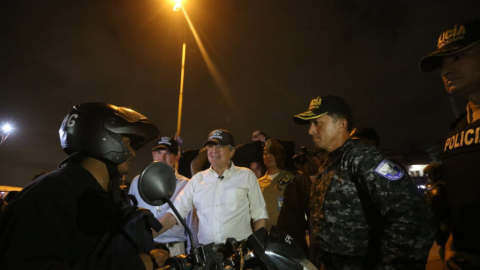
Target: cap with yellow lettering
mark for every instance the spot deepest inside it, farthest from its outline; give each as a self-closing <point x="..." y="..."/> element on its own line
<point x="461" y="37"/>
<point x="323" y="105"/>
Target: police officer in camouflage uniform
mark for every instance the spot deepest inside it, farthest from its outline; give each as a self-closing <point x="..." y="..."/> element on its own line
<point x="366" y="213"/>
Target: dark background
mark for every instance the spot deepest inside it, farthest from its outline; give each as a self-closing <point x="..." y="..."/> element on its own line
<point x="271" y="58"/>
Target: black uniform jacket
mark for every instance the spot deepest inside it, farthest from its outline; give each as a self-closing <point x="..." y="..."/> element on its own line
<point x="56" y="223"/>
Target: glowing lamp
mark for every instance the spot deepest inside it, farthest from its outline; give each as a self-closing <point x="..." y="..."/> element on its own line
<point x="177" y="7"/>
<point x="7" y="128"/>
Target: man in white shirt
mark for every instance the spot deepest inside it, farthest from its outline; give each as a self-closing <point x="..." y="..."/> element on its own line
<point x="227" y="198"/>
<point x="166" y="151"/>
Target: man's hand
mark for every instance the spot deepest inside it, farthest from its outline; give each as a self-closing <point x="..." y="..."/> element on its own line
<point x="168" y="221"/>
<point x="147" y="261"/>
<point x="157" y="255"/>
<point x="258" y="135"/>
<point x="203" y="151"/>
<point x="160" y="256"/>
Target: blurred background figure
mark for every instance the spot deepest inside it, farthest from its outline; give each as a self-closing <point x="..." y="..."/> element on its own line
<point x="258" y="168"/>
<point x="436" y="197"/>
<point x="366" y="136"/>
<point x="300" y="160"/>
<point x="308" y="163"/>
<point x="7" y="193"/>
<point x="286" y="194"/>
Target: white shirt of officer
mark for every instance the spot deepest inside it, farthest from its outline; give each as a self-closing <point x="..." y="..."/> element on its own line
<point x="162" y="154"/>
<point x="225" y="204"/>
<point x="175" y="234"/>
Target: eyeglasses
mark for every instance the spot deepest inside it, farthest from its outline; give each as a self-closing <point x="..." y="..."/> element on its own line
<point x="212" y="146"/>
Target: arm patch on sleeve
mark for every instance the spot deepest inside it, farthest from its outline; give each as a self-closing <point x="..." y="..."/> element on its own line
<point x="389" y="170"/>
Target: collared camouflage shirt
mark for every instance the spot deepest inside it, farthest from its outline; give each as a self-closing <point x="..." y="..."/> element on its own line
<point x="364" y="205"/>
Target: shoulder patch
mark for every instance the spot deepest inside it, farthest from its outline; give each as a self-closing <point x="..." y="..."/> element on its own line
<point x="285" y="178"/>
<point x="389" y="170"/>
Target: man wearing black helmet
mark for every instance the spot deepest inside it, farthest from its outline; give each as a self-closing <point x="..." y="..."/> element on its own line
<point x="66" y="219"/>
<point x="365" y="211"/>
<point x="457" y="58"/>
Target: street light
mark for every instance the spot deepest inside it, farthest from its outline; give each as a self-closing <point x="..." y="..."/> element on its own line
<point x="177" y="7"/>
<point x="211" y="67"/>
<point x="6" y="129"/>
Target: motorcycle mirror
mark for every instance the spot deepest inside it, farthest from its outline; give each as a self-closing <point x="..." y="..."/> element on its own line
<point x="156" y="183"/>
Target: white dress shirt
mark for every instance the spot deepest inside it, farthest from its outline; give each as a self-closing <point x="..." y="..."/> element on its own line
<point x="225" y="206"/>
<point x="177" y="233"/>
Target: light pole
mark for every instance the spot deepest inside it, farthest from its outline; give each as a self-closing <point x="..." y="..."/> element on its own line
<point x="180" y="98"/>
<point x="178" y="6"/>
<point x="6" y="129"/>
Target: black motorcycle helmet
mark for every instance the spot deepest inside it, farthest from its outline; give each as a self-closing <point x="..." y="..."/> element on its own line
<point x="96" y="129"/>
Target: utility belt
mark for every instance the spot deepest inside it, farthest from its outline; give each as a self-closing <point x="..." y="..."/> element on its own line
<point x="172" y="244"/>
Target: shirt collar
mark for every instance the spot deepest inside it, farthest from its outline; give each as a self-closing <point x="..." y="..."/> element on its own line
<point x="473" y="112"/>
<point x="272" y="176"/>
<point x="335" y="154"/>
<point x="226" y="173"/>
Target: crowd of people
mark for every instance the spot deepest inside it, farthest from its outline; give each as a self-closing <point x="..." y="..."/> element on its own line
<point x="347" y="205"/>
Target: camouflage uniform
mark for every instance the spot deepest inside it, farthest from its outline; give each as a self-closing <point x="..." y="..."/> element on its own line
<point x="367" y="214"/>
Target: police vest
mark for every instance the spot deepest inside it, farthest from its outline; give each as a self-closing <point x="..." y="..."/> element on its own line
<point x="460" y="155"/>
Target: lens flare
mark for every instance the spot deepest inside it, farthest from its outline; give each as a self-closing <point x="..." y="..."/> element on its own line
<point x="177" y="7"/>
<point x="7" y="128"/>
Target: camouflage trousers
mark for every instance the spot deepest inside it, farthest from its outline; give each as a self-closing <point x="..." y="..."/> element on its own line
<point x="329" y="261"/>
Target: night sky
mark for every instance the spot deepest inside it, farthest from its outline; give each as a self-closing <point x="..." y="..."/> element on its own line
<point x="271" y="58"/>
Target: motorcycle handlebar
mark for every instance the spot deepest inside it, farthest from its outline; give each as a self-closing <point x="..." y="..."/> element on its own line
<point x="172" y="267"/>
